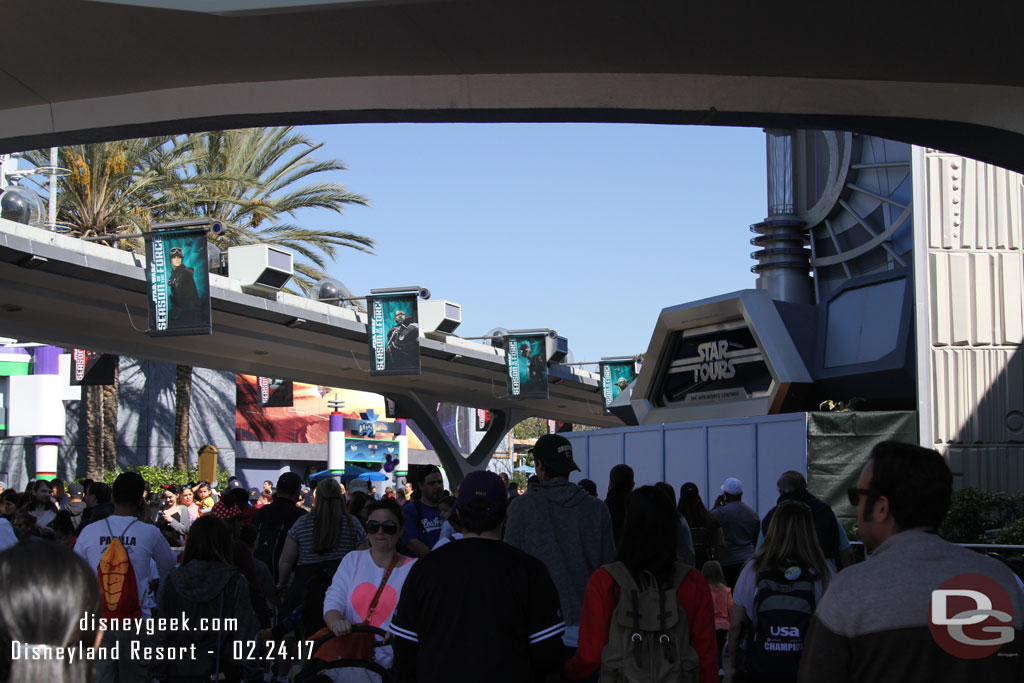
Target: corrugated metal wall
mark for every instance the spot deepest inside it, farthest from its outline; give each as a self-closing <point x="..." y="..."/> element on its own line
<point x="973" y="371"/>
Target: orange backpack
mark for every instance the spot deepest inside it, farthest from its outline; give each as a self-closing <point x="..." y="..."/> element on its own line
<point x="119" y="591"/>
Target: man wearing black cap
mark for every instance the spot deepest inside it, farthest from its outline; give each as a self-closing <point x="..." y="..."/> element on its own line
<point x="476" y="608"/>
<point x="75" y="504"/>
<point x="275" y="519"/>
<point x="563" y="526"/>
<point x="184" y="297"/>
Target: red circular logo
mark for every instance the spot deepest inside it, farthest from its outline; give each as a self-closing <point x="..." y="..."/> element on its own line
<point x="971" y="616"/>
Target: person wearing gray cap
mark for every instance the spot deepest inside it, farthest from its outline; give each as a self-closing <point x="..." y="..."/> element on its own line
<point x="75" y="504"/>
<point x="564" y="527"/>
<point x="740" y="524"/>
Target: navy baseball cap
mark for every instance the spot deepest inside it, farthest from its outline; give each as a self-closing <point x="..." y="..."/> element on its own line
<point x="482" y="491"/>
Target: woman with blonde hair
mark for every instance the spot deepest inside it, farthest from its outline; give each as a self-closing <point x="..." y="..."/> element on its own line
<point x="776" y="594"/>
<point x="318" y="541"/>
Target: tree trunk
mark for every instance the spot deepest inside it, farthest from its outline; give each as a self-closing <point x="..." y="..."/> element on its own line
<point x="182" y="405"/>
<point x="94" y="433"/>
<point x="110" y="394"/>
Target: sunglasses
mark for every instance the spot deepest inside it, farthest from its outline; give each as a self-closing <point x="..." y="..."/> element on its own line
<point x="853" y="494"/>
<point x="389" y="528"/>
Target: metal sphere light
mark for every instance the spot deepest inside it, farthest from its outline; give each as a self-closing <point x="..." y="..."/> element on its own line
<point x="21" y="205"/>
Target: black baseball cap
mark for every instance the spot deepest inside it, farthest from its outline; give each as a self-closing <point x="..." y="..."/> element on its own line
<point x="555" y="451"/>
<point x="289" y="482"/>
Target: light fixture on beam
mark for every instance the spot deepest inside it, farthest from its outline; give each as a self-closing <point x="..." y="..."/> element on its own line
<point x="324" y="287"/>
<point x="32" y="261"/>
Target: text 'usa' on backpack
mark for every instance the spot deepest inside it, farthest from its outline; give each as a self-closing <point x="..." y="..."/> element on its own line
<point x="649" y="635"/>
<point x="119" y="591"/>
<point x="784" y="604"/>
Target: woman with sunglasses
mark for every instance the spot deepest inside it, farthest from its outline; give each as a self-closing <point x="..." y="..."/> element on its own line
<point x="789" y="565"/>
<point x="368" y="583"/>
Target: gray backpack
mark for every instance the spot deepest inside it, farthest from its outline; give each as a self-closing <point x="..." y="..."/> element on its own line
<point x="649" y="636"/>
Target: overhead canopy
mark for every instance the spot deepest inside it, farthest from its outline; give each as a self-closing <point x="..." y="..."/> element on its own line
<point x="73" y="70"/>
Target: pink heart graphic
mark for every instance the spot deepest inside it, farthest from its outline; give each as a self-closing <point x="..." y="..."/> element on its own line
<point x="362" y="596"/>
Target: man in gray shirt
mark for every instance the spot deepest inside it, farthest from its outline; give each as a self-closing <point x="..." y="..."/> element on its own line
<point x="564" y="527"/>
<point x="740" y="524"/>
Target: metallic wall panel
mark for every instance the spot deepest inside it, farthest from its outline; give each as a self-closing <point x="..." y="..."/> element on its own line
<point x="973" y="223"/>
<point x="990" y="468"/>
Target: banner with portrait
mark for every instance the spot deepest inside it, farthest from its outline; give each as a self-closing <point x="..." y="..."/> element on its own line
<point x="526" y="365"/>
<point x="394" y="334"/>
<point x="274" y="393"/>
<point x="178" y="278"/>
<point x="616" y="376"/>
<point x="89" y="368"/>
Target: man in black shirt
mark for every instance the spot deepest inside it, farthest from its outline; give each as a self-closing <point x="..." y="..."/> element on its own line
<point x="275" y="519"/>
<point x="477" y="608"/>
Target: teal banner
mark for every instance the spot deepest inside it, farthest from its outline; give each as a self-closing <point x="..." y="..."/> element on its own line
<point x="526" y="366"/>
<point x="394" y="334"/>
<point x="178" y="276"/>
<point x="616" y="376"/>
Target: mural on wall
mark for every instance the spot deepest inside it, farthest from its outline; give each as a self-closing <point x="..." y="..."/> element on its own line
<point x="307" y="420"/>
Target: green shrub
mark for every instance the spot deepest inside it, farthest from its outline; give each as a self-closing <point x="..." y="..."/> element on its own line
<point x="972" y="513"/>
<point x="1012" y="534"/>
<point x="161" y="475"/>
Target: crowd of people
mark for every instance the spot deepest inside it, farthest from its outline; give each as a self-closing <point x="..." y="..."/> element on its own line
<point x="491" y="583"/>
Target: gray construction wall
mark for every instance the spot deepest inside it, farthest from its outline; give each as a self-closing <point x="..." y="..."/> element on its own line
<point x="755" y="450"/>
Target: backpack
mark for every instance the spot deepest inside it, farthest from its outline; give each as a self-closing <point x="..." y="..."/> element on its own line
<point x="270" y="541"/>
<point x="649" y="635"/>
<point x="784" y="604"/>
<point x="119" y="590"/>
<point x="705" y="544"/>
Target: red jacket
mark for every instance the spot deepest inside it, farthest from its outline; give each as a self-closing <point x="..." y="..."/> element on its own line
<point x="599" y="602"/>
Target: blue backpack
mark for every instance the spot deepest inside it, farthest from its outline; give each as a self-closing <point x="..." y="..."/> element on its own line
<point x="784" y="604"/>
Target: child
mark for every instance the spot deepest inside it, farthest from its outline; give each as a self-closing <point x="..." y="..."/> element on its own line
<point x="722" y="597"/>
<point x="444" y="507"/>
<point x="451" y="530"/>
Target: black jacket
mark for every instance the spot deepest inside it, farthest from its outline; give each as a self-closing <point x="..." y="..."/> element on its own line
<point x="825" y="524"/>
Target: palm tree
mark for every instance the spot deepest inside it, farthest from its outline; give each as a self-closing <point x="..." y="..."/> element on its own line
<point x="255" y="181"/>
<point x="112" y="188"/>
<point x="251" y="179"/>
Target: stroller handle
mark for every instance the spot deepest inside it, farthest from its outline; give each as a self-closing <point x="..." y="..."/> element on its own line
<point x="356" y="628"/>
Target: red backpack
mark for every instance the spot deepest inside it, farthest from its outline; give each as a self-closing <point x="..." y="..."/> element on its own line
<point x="119" y="591"/>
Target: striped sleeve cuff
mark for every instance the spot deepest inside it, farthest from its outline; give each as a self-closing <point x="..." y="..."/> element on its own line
<point x="550" y="632"/>
<point x="404" y="633"/>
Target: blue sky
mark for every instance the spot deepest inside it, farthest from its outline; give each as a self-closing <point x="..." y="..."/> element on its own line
<point x="588" y="229"/>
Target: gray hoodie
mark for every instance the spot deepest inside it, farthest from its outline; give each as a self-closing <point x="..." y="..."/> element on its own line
<point x="195" y="590"/>
<point x="570" y="531"/>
